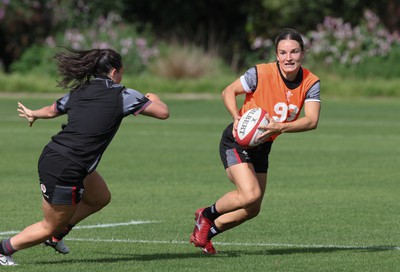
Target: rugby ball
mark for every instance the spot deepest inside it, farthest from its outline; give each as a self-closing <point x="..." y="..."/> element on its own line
<point x="247" y="130"/>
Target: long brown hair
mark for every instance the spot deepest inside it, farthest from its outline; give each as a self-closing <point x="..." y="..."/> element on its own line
<point x="77" y="67"/>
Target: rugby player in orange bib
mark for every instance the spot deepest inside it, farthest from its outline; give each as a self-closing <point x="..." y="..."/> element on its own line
<point x="283" y="88"/>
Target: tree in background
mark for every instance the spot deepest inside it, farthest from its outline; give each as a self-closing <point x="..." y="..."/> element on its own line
<point x="227" y="27"/>
<point x="231" y="26"/>
<point x="26" y="22"/>
<point x="21" y="24"/>
<point x="214" y="25"/>
<point x="268" y="16"/>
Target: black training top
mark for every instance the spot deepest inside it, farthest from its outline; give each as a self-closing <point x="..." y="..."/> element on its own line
<point x="95" y="112"/>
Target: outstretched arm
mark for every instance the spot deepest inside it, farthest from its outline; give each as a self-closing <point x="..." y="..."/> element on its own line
<point x="157" y="109"/>
<point x="32" y="115"/>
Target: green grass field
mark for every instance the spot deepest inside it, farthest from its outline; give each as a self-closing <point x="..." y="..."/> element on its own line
<point x="331" y="202"/>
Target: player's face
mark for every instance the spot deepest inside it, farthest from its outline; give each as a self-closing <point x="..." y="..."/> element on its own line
<point x="289" y="56"/>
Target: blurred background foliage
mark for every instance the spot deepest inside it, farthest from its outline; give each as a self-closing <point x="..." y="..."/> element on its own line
<point x="201" y="41"/>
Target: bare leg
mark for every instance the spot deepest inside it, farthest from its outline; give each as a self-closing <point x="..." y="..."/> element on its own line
<point x="55" y="219"/>
<point x="243" y="203"/>
<point x="95" y="197"/>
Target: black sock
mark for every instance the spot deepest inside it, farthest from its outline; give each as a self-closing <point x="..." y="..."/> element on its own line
<point x="213" y="231"/>
<point x="6" y="248"/>
<point x="211" y="213"/>
<point x="2" y="249"/>
<point x="61" y="235"/>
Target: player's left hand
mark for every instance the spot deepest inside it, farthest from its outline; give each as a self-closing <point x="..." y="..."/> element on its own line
<point x="272" y="128"/>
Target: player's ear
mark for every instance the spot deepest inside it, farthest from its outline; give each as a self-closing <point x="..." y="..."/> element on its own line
<point x="112" y="73"/>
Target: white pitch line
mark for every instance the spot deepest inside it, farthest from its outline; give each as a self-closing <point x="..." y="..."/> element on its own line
<point x="236" y="244"/>
<point x="116" y="224"/>
<point x="108" y="225"/>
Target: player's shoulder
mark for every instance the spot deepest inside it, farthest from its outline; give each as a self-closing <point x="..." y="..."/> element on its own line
<point x="269" y="65"/>
<point x="308" y="74"/>
<point x="266" y="68"/>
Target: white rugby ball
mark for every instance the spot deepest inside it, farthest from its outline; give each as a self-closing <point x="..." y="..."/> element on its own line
<point x="247" y="130"/>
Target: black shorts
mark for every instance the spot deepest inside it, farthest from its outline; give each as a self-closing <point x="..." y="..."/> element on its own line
<point x="61" y="180"/>
<point x="232" y="153"/>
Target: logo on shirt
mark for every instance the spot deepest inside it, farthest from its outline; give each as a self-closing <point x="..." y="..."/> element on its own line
<point x="288" y="95"/>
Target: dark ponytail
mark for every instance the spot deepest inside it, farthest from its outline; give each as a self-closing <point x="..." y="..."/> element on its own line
<point x="77" y="67"/>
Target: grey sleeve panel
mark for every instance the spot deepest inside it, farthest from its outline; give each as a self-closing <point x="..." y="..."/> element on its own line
<point x="313" y="93"/>
<point x="249" y="80"/>
<point x="60" y="104"/>
<point x="134" y="102"/>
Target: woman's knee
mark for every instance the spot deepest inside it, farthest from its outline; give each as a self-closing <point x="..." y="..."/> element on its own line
<point x="49" y="229"/>
<point x="105" y="200"/>
<point x="251" y="198"/>
<point x="253" y="211"/>
<point x="249" y="188"/>
<point x="97" y="195"/>
<point x="100" y="201"/>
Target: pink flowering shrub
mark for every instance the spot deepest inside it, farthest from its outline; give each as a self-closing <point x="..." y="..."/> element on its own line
<point x="106" y="32"/>
<point x="368" y="49"/>
<point x="336" y="41"/>
<point x="111" y="32"/>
